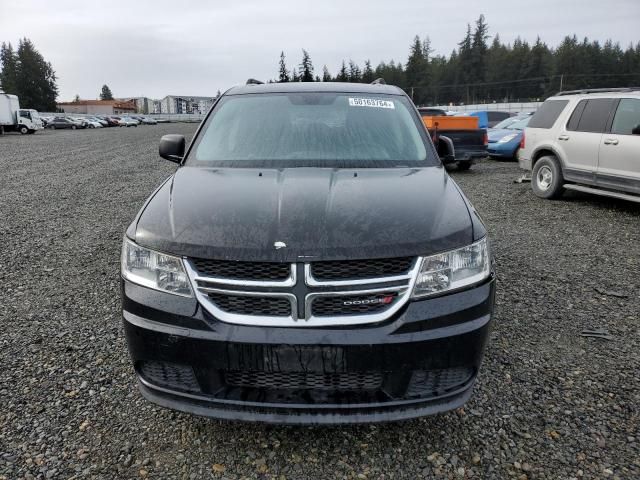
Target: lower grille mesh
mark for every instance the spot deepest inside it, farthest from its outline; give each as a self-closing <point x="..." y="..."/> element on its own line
<point x="243" y="270"/>
<point x="433" y="382"/>
<point x="169" y="375"/>
<point x="245" y="305"/>
<point x="360" y="269"/>
<point x="305" y="380"/>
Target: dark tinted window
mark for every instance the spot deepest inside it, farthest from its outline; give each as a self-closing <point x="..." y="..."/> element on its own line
<point x="498" y="116"/>
<point x="627" y="116"/>
<point x="595" y="115"/>
<point x="547" y="114"/>
<point x="432" y="112"/>
<point x="575" y="116"/>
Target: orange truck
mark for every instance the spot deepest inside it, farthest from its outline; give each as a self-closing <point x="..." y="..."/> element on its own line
<point x="457" y="138"/>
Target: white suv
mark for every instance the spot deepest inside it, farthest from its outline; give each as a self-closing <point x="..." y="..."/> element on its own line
<point x="586" y="140"/>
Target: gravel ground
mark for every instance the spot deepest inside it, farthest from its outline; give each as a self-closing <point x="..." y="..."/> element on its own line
<point x="549" y="403"/>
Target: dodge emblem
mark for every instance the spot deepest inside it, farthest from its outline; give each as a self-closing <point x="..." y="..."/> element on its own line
<point x="279" y="245"/>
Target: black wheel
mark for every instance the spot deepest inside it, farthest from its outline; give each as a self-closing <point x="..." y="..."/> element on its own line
<point x="24" y="130"/>
<point x="546" y="178"/>
<point x="92" y="126"/>
<point x="73" y="127"/>
<point x="52" y="127"/>
<point x="464" y="166"/>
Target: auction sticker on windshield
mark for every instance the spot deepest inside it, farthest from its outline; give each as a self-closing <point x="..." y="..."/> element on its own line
<point x="370" y="102"/>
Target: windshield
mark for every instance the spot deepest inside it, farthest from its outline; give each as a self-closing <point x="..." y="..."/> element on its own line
<point x="506" y="122"/>
<point x="519" y="125"/>
<point x="312" y="129"/>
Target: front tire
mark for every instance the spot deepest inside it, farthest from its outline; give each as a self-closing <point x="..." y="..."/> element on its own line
<point x="547" y="179"/>
<point x="73" y="127"/>
<point x="24" y="130"/>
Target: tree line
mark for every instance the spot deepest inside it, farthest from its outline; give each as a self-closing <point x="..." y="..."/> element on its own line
<point x="24" y="72"/>
<point x="484" y="71"/>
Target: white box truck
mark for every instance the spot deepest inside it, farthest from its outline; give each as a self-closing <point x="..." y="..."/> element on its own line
<point x="16" y="119"/>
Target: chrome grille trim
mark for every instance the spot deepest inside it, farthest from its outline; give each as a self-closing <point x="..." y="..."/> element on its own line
<point x="402" y="291"/>
<point x="202" y="285"/>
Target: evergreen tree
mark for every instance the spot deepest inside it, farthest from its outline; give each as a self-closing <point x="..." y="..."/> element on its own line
<point x="367" y="74"/>
<point x="76" y="98"/>
<point x="294" y="75"/>
<point x="306" y="67"/>
<point x="284" y="73"/>
<point x="480" y="72"/>
<point x="326" y="76"/>
<point x="478" y="56"/>
<point x="36" y="80"/>
<point x="106" y="94"/>
<point x="354" y="75"/>
<point x="8" y="69"/>
<point x="342" y="76"/>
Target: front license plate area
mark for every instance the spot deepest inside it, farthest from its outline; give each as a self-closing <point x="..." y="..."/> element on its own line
<point x="287" y="358"/>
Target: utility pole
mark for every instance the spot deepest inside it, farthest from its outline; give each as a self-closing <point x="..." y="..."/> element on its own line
<point x="561" y="81"/>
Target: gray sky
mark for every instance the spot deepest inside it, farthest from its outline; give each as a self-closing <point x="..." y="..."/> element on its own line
<point x="160" y="47"/>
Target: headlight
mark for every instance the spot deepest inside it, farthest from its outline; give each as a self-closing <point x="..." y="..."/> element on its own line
<point x="508" y="138"/>
<point x="452" y="270"/>
<point x="154" y="270"/>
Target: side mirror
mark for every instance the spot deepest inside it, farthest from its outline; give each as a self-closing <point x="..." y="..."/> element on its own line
<point x="636" y="130"/>
<point x="172" y="147"/>
<point x="446" y="150"/>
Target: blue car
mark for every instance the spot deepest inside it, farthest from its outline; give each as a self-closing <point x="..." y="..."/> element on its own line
<point x="489" y="118"/>
<point x="504" y="140"/>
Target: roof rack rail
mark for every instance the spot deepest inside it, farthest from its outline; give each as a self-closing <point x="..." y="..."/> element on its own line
<point x="379" y="81"/>
<point x="596" y="90"/>
<point x="253" y="81"/>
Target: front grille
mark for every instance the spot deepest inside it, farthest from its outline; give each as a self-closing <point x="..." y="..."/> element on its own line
<point x="346" y="381"/>
<point x="170" y="375"/>
<point x="360" y="269"/>
<point x="248" y="305"/>
<point x="426" y="383"/>
<point x="328" y="306"/>
<point x="242" y="270"/>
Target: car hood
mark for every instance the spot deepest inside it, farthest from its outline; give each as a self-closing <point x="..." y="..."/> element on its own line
<point x="318" y="213"/>
<point x="495" y="135"/>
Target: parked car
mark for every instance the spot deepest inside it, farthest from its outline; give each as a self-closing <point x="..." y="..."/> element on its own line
<point x="310" y="261"/>
<point x="585" y="140"/>
<point x="128" y="122"/>
<point x="457" y="137"/>
<point x="61" y="123"/>
<point x="101" y="121"/>
<point x="147" y="121"/>
<point x="488" y="118"/>
<point x="112" y="121"/>
<point x="81" y="122"/>
<point x="93" y="123"/>
<point x="508" y="121"/>
<point x="505" y="142"/>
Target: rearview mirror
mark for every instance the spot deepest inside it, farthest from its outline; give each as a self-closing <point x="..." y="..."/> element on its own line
<point x="172" y="147"/>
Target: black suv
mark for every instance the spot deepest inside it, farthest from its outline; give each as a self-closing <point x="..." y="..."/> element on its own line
<point x="310" y="261"/>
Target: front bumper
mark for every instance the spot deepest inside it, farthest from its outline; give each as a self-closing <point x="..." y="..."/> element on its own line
<point x="464" y="155"/>
<point x="424" y="360"/>
<point x="502" y="150"/>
